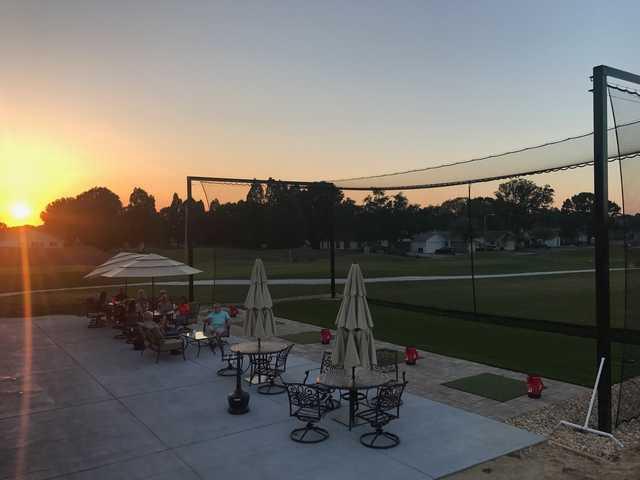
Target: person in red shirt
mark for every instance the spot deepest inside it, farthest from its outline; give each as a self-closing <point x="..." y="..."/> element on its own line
<point x="183" y="313"/>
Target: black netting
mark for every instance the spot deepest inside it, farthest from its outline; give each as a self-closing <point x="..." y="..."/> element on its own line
<point x="498" y="260"/>
<point x="286" y="226"/>
<point x="625" y="106"/>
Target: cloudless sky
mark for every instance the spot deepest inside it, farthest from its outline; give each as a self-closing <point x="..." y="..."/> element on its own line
<point x="122" y="94"/>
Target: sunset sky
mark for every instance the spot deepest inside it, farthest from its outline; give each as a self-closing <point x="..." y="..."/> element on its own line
<point x="124" y="94"/>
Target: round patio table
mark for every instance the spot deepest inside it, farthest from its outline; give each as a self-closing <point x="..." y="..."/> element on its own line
<point x="357" y="378"/>
<point x="239" y="399"/>
<point x="258" y="346"/>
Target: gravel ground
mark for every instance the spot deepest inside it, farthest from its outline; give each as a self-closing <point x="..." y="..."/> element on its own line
<point x="546" y="421"/>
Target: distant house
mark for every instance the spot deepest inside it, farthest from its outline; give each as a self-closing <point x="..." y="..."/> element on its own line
<point x="341" y="245"/>
<point x="34" y="237"/>
<point x="429" y="242"/>
<point x="545" y="237"/>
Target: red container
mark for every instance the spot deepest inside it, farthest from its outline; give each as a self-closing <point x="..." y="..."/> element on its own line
<point x="410" y="355"/>
<point x="233" y="311"/>
<point x="534" y="386"/>
<point x="325" y="336"/>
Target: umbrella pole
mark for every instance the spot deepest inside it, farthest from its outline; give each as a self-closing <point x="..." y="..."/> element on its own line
<point x="126" y="287"/>
<point x="153" y="293"/>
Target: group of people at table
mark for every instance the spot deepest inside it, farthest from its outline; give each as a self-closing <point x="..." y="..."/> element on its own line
<point x="171" y="317"/>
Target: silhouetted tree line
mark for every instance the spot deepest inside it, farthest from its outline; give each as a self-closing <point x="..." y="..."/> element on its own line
<point x="278" y="215"/>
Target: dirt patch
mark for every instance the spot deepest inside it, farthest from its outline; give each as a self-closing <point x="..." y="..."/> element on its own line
<point x="551" y="461"/>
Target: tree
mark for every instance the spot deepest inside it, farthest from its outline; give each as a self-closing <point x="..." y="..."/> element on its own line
<point x="141" y="221"/>
<point x="256" y="193"/>
<point x="173" y="219"/>
<point x="578" y="214"/>
<point x="92" y="217"/>
<point x="59" y="218"/>
<point x="583" y="203"/>
<point x="521" y="201"/>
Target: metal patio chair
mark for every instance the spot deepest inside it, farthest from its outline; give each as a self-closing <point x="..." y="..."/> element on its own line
<point x="384" y="409"/>
<point x="307" y="404"/>
<point x="274" y="370"/>
<point x="325" y="366"/>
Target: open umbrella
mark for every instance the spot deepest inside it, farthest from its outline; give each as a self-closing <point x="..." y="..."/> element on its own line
<point x="115" y="261"/>
<point x="355" y="346"/>
<point x="150" y="266"/>
<point x="259" y="321"/>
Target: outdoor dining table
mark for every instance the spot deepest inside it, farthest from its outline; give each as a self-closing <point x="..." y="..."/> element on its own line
<point x="199" y="338"/>
<point x="239" y="399"/>
<point x="352" y="380"/>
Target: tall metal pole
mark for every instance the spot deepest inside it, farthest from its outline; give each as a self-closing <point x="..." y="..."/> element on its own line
<point x="471" y="252"/>
<point x="601" y="224"/>
<point x="332" y="243"/>
<point x="188" y="242"/>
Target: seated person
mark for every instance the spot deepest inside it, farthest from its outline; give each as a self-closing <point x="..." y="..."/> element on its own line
<point x="183" y="312"/>
<point x="217" y="324"/>
<point x="165" y="308"/>
<point x="142" y="304"/>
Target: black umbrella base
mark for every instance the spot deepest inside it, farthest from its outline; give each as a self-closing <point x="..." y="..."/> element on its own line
<point x="238" y="402"/>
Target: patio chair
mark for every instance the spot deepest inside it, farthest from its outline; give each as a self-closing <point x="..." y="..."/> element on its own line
<point x="387" y="361"/>
<point x="381" y="411"/>
<point x="277" y="366"/>
<point x="325" y="366"/>
<point x="259" y="364"/>
<point x="156" y="341"/>
<point x="306" y="403"/>
<point x="96" y="311"/>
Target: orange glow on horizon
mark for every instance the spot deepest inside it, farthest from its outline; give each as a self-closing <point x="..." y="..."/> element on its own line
<point x="35" y="172"/>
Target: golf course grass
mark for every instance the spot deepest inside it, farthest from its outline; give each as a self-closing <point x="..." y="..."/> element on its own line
<point x="566" y="358"/>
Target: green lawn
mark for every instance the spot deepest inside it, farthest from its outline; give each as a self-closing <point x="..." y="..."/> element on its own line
<point x="566" y="298"/>
<point x="562" y="357"/>
<point x="308" y="263"/>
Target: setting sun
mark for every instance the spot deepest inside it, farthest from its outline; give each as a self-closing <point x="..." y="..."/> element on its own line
<point x="20" y="211"/>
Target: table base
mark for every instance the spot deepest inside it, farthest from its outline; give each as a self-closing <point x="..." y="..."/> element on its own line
<point x="343" y="419"/>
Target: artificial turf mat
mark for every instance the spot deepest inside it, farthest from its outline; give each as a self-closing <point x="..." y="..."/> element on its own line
<point x="489" y="385"/>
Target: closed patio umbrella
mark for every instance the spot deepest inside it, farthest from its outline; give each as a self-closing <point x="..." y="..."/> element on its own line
<point x="355" y="346"/>
<point x="150" y="266"/>
<point x="259" y="321"/>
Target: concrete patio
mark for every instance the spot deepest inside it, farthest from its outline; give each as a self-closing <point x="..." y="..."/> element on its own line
<point x="78" y="404"/>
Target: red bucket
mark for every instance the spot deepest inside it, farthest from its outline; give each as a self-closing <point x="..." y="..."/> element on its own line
<point x="410" y="355"/>
<point x="534" y="386"/>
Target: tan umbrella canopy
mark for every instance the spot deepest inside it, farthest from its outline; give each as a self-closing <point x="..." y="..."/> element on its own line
<point x="259" y="321"/>
<point x="150" y="266"/>
<point x="115" y="261"/>
<point x="355" y="346"/>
